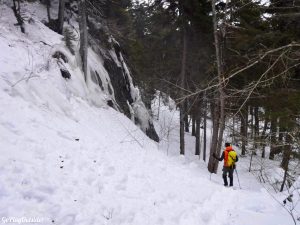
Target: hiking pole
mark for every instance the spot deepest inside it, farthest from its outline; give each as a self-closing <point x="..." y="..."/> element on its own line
<point x="238" y="178"/>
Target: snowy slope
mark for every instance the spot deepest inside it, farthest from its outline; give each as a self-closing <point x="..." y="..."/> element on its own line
<point x="67" y="160"/>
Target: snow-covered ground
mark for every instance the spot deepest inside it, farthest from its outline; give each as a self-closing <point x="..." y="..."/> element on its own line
<point x="66" y="161"/>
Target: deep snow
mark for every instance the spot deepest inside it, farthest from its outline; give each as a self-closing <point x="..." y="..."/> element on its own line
<point x="113" y="174"/>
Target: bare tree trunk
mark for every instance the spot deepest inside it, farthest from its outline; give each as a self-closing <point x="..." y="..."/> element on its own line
<point x="286" y="152"/>
<point x="284" y="180"/>
<point x="273" y="148"/>
<point x="219" y="120"/>
<point x="251" y="158"/>
<point x="256" y="126"/>
<point x="222" y="120"/>
<point x="197" y="151"/>
<point x="213" y="145"/>
<point x="286" y="159"/>
<point x="280" y="141"/>
<point x="61" y="15"/>
<point x="251" y="109"/>
<point x="158" y="110"/>
<point x="233" y="130"/>
<point x="263" y="138"/>
<point x="48" y="5"/>
<point x="182" y="147"/>
<point x="17" y="11"/>
<point x="204" y="127"/>
<point x="186" y="116"/>
<point x="182" y="75"/>
<point x="186" y="122"/>
<point x="244" y="128"/>
<point x="254" y="131"/>
<point x="281" y="133"/>
<point x="83" y="36"/>
<point x="194" y="124"/>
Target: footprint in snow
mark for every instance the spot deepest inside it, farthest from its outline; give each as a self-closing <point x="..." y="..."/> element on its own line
<point x="206" y="215"/>
<point x="160" y="221"/>
<point x="90" y="180"/>
<point x="33" y="196"/>
<point x="122" y="186"/>
<point x="3" y="193"/>
<point x="11" y="127"/>
<point x="17" y="169"/>
<point x="69" y="219"/>
<point x="46" y="189"/>
<point x="109" y="171"/>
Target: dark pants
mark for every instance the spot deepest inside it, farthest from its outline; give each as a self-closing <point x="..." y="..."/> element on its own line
<point x="229" y="171"/>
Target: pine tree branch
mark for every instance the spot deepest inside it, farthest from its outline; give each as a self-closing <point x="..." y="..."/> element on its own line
<point x="250" y="65"/>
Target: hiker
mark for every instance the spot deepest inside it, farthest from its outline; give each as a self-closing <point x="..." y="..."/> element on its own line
<point x="230" y="158"/>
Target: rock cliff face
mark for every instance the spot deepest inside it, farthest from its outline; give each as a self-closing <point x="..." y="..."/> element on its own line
<point x="125" y="96"/>
<point x="121" y="85"/>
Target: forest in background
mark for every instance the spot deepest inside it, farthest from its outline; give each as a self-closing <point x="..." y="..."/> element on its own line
<point x="234" y="62"/>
